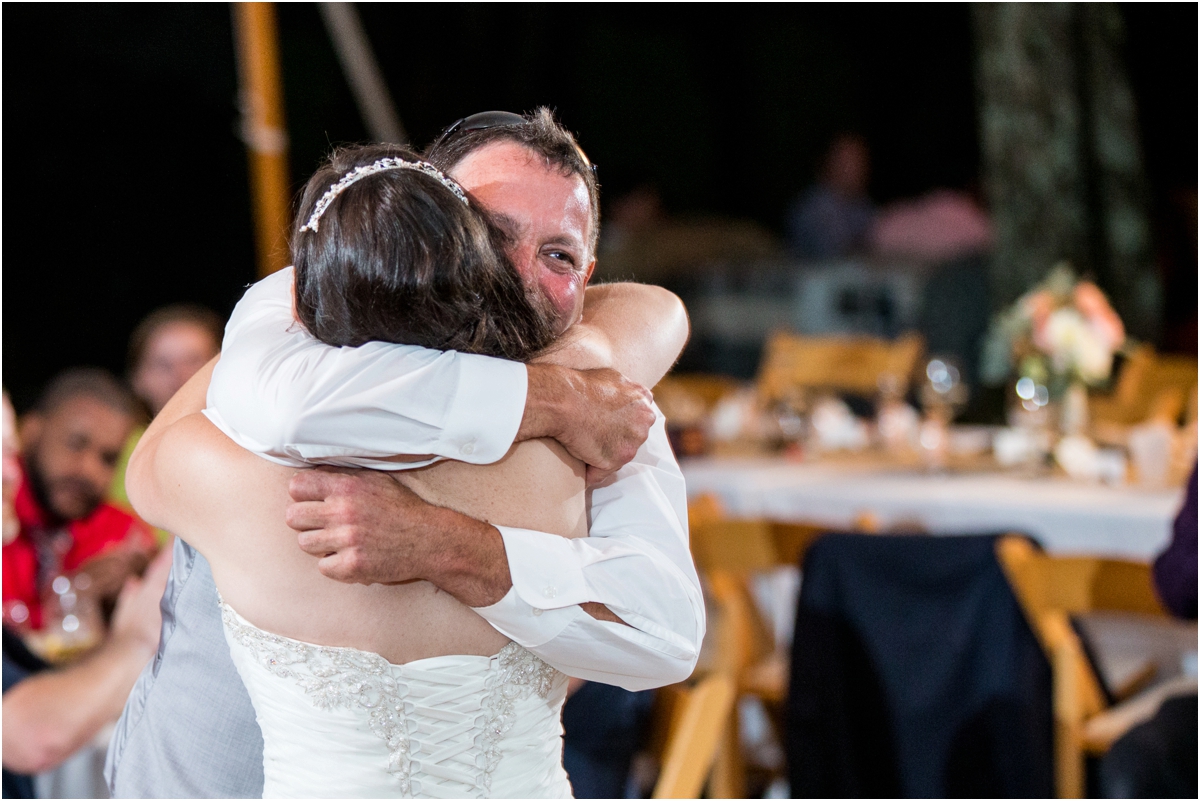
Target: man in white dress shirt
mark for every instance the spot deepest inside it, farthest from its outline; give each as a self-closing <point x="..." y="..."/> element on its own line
<point x="622" y="606"/>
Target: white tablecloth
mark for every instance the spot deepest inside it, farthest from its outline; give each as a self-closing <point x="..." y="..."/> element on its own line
<point x="1067" y="517"/>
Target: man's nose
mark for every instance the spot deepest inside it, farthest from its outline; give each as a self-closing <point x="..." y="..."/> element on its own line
<point x="524" y="259"/>
<point x="97" y="471"/>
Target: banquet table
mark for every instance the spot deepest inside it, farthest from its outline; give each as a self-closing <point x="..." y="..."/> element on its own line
<point x="1065" y="516"/>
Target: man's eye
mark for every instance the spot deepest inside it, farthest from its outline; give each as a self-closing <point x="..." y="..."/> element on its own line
<point x="563" y="256"/>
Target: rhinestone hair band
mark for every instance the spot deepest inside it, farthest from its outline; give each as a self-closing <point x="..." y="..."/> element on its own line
<point x="358" y="173"/>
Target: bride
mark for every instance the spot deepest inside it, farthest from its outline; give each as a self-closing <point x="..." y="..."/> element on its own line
<point x="387" y="690"/>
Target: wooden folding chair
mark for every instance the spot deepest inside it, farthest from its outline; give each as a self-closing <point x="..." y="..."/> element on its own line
<point x="848" y="364"/>
<point x="1151" y="386"/>
<point x="1050" y="590"/>
<point x="728" y="552"/>
<point x="690" y="724"/>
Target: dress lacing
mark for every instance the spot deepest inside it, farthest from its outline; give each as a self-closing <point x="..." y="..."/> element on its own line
<point x="442" y="726"/>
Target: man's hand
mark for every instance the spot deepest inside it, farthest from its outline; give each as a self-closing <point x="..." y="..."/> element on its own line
<point x="599" y="416"/>
<point x="137" y="620"/>
<point x="367" y="528"/>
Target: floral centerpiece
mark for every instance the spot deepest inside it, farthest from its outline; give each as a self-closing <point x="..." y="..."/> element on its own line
<point x="1062" y="333"/>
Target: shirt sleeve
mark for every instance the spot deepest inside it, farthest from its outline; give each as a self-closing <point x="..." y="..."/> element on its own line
<point x="635" y="561"/>
<point x="292" y="399"/>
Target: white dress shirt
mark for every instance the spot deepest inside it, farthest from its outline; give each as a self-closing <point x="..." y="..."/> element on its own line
<point x="284" y="395"/>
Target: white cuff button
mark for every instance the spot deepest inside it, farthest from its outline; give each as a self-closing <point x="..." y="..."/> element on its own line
<point x="550" y="592"/>
<point x="467" y="449"/>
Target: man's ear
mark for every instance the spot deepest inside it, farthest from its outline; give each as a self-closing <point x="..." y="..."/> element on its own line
<point x="591" y="269"/>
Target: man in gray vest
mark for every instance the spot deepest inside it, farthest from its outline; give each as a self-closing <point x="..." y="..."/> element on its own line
<point x="622" y="607"/>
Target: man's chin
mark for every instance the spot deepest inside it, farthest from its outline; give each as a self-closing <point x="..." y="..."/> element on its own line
<point x="73" y="507"/>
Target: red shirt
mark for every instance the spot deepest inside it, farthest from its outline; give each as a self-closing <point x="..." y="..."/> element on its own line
<point x="105" y="528"/>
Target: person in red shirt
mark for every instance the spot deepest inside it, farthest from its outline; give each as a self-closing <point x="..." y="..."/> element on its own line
<point x="71" y="443"/>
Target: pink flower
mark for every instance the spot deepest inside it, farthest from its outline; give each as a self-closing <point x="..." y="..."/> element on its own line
<point x="1038" y="307"/>
<point x="1100" y="315"/>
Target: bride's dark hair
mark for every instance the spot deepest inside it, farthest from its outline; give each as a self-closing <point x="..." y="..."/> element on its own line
<point x="397" y="257"/>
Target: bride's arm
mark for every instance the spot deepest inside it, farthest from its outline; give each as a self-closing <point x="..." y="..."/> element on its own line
<point x="636" y="329"/>
<point x="146" y="480"/>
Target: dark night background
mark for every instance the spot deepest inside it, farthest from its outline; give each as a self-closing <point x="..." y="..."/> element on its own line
<point x="126" y="184"/>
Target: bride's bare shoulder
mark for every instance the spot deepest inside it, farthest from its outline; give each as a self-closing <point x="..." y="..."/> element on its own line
<point x="191" y="472"/>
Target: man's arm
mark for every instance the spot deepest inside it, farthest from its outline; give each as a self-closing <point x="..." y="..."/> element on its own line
<point x="636" y="562"/>
<point x="50" y="716"/>
<point x="622" y="606"/>
<point x="284" y="395"/>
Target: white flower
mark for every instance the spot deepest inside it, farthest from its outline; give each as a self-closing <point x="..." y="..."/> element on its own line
<point x="1076" y="346"/>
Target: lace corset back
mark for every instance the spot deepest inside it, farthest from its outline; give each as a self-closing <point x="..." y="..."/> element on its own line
<point x="344" y="723"/>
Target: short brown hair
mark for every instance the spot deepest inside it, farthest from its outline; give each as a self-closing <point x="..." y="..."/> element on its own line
<point x="540" y="133"/>
<point x="192" y="313"/>
<point x="399" y="258"/>
<point x="91" y="382"/>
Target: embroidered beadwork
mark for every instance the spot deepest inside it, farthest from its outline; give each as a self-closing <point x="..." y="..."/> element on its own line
<point x="349" y="678"/>
<point x="336" y="678"/>
<point x="520" y="673"/>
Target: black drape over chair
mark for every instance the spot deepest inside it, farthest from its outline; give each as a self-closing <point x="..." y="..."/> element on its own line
<point x="914" y="673"/>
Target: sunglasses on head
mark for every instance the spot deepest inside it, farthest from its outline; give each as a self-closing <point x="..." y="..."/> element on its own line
<point x="492" y="119"/>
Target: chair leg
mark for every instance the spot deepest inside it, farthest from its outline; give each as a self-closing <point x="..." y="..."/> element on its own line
<point x="728" y="777"/>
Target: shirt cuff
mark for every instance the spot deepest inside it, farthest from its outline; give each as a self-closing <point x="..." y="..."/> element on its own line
<point x="487" y="409"/>
<point x="546" y="573"/>
<point x="526" y="625"/>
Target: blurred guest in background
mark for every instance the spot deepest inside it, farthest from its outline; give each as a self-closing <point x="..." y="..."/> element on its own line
<point x="49" y="717"/>
<point x="941" y="226"/>
<point x="165" y="350"/>
<point x="71" y="441"/>
<point x="12" y="472"/>
<point x="831" y="219"/>
<point x="50" y="714"/>
<point x="1158" y="758"/>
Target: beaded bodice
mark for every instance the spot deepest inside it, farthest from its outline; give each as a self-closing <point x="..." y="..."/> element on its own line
<point x="431" y="728"/>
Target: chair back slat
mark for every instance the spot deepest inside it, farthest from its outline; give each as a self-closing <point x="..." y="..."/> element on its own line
<point x="850" y="364"/>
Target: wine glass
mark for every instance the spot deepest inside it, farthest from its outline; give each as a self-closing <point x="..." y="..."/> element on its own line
<point x="943" y="395"/>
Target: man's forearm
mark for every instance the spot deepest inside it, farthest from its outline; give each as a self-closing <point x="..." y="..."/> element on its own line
<point x="598" y="415"/>
<point x="468" y="560"/>
<point x="472" y="565"/>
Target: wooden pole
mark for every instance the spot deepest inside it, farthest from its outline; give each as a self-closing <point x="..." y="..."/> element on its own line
<point x="264" y="130"/>
<point x="362" y="72"/>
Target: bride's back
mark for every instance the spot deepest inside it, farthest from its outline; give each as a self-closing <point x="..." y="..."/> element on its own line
<point x="262" y="573"/>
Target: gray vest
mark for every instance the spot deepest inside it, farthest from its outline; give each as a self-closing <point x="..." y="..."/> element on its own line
<point x="188" y="729"/>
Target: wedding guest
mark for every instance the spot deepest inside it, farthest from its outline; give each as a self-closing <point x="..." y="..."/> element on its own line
<point x="48" y="717"/>
<point x="50" y="714"/>
<point x="1157" y="759"/>
<point x="71" y="441"/>
<point x="831" y="219"/>
<point x="165" y="350"/>
<point x="941" y="226"/>
<point x="12" y="472"/>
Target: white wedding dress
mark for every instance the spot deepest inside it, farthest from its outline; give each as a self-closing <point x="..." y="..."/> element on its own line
<point x="344" y="723"/>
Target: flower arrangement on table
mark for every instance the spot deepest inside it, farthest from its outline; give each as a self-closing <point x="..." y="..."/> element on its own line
<point x="1063" y="332"/>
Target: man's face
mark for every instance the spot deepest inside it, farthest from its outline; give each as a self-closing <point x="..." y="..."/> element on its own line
<point x="173" y="355"/>
<point x="548" y="214"/>
<point x="71" y="454"/>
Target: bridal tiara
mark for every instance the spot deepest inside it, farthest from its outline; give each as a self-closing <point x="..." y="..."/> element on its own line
<point x="358" y="173"/>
